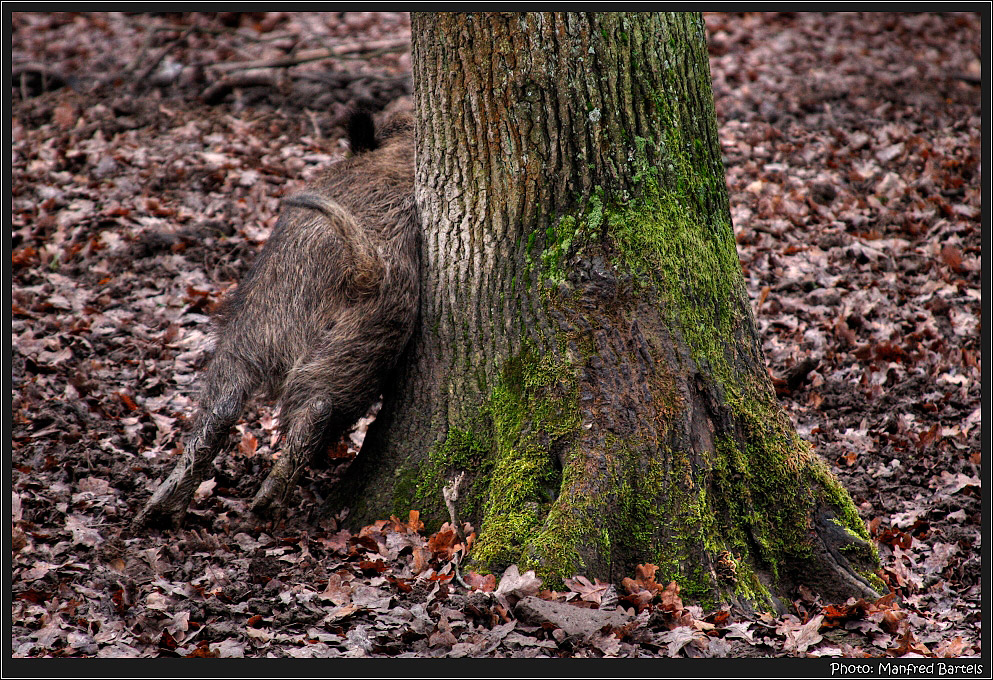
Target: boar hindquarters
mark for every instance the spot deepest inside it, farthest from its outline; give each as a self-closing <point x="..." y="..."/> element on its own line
<point x="317" y="324"/>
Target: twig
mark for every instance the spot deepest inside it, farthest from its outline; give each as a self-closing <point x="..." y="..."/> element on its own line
<point x="313" y="122"/>
<point x="451" y="494"/>
<point x="236" y="32"/>
<point x="315" y="55"/>
<point x="138" y="58"/>
<point x="157" y="59"/>
<point x="343" y="78"/>
<point x="968" y="78"/>
<point x="217" y="91"/>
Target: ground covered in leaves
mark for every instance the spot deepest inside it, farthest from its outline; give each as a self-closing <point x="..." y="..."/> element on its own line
<point x="149" y="154"/>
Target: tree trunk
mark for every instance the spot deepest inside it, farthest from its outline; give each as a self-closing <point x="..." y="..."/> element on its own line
<point x="586" y="351"/>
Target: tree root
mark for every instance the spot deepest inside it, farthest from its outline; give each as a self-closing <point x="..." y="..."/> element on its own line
<point x="843" y="557"/>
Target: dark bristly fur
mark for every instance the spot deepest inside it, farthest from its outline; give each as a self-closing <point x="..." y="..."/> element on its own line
<point x="361" y="132"/>
<point x="319" y="320"/>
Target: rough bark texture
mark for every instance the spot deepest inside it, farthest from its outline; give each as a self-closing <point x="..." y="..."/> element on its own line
<point x="586" y="351"/>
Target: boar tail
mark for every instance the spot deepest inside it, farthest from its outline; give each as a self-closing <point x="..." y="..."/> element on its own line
<point x="365" y="263"/>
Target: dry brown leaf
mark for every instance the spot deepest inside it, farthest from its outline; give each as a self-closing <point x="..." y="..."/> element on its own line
<point x="800" y="638"/>
<point x="485" y="583"/>
<point x="590" y="592"/>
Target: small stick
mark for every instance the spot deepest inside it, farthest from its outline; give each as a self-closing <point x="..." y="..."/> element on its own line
<point x="218" y="90"/>
<point x="157" y="59"/>
<point x="237" y="32"/>
<point x="451" y="494"/>
<point x="313" y="122"/>
<point x="315" y="55"/>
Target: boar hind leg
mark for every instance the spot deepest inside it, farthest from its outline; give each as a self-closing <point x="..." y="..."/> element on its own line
<point x="225" y="390"/>
<point x="312" y="407"/>
<point x="306" y="429"/>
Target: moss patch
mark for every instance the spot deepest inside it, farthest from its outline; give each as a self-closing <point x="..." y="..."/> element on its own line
<point x="419" y="487"/>
<point x="533" y="411"/>
<point x="754" y="495"/>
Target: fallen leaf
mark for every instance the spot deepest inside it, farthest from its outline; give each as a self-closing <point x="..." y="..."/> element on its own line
<point x="514" y="585"/>
<point x="81" y="533"/>
<point x="485" y="583"/>
<point x="739" y="630"/>
<point x="205" y="489"/>
<point x="590" y="592"/>
<point x="799" y="639"/>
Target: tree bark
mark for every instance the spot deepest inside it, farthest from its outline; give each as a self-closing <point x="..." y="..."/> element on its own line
<point x="586" y="352"/>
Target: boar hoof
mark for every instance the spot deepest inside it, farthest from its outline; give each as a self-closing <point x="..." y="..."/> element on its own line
<point x="268" y="502"/>
<point x="156" y="516"/>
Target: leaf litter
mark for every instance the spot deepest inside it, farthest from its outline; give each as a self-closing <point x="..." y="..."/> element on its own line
<point x="853" y="152"/>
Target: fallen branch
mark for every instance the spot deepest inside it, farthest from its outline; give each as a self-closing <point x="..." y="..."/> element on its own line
<point x="315" y="55"/>
<point x="343" y="78"/>
<point x="217" y="91"/>
<point x="968" y="78"/>
<point x="241" y="33"/>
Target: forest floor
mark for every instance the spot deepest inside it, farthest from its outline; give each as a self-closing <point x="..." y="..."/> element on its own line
<point x="148" y="161"/>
